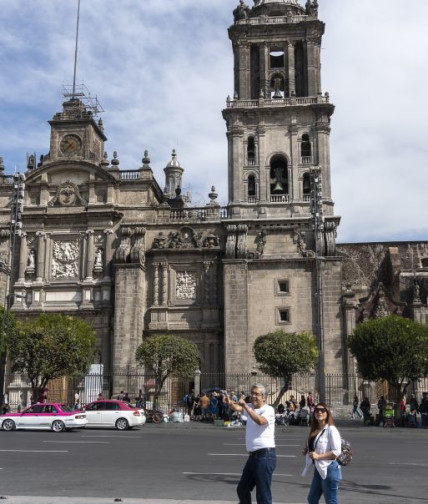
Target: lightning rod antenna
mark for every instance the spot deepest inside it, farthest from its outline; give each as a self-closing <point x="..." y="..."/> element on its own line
<point x="75" y="51"/>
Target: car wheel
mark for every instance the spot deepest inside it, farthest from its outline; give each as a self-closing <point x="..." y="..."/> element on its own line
<point x="58" y="426"/>
<point x="8" y="425"/>
<point x="122" y="424"/>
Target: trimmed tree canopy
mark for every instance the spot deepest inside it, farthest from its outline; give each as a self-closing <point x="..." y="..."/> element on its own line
<point x="50" y="347"/>
<point x="282" y="354"/>
<point x="391" y="348"/>
<point x="166" y="355"/>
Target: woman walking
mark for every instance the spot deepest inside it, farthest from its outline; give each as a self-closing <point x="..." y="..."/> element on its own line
<point x="322" y="448"/>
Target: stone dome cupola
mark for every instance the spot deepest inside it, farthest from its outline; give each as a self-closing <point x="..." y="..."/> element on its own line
<point x="277" y="8"/>
<point x="173" y="176"/>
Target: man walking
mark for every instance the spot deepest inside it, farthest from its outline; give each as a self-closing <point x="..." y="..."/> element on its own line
<point x="260" y="443"/>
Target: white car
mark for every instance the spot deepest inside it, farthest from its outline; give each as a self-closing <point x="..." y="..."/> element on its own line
<point x="52" y="416"/>
<point x="113" y="413"/>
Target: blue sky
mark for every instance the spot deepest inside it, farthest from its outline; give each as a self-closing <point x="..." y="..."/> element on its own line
<point x="162" y="70"/>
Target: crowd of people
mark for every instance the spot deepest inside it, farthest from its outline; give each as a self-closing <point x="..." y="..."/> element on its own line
<point x="411" y="412"/>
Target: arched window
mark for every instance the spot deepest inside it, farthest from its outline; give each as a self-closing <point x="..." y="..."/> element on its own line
<point x="251" y="151"/>
<point x="306" y="148"/>
<point x="278" y="175"/>
<point x="306" y="184"/>
<point x="251" y="186"/>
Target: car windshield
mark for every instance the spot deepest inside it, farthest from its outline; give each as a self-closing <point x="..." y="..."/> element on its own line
<point x="66" y="408"/>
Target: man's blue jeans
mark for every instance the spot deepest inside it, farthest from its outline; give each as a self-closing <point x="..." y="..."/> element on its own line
<point x="329" y="487"/>
<point x="258" y="473"/>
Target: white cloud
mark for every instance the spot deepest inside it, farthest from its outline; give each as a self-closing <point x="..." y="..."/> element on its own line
<point x="162" y="70"/>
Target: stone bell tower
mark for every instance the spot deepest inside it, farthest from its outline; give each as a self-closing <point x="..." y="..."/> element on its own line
<point x="278" y="122"/>
<point x="281" y="267"/>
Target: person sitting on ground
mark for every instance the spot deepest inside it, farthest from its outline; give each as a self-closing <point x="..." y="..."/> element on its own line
<point x="388" y="415"/>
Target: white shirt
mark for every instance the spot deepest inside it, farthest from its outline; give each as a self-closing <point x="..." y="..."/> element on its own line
<point x="260" y="436"/>
<point x="325" y="441"/>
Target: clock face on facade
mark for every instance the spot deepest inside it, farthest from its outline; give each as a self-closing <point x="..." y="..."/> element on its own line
<point x="70" y="144"/>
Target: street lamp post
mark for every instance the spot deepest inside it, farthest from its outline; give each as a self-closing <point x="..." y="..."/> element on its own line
<point x="318" y="229"/>
<point x="15" y="230"/>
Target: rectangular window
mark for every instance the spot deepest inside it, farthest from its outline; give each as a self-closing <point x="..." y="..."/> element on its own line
<point x="282" y="287"/>
<point x="283" y="316"/>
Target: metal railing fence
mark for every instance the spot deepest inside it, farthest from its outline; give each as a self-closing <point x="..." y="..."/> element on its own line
<point x="340" y="389"/>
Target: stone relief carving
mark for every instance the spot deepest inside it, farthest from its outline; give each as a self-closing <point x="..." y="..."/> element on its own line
<point x="65" y="259"/>
<point x="185" y="238"/>
<point x="67" y="194"/>
<point x="211" y="240"/>
<point x="185" y="287"/>
<point x="160" y="242"/>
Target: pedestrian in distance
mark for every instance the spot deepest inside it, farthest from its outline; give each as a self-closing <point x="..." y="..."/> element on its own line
<point x="355" y="410"/>
<point x="260" y="445"/>
<point x="322" y="448"/>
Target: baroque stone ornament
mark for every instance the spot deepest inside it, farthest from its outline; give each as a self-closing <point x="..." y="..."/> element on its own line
<point x="65" y="259"/>
<point x="67" y="194"/>
<point x="139" y="246"/>
<point x="185" y="287"/>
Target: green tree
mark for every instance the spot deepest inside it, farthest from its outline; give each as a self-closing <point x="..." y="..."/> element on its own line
<point x="52" y="346"/>
<point x="391" y="348"/>
<point x="282" y="354"/>
<point x="165" y="355"/>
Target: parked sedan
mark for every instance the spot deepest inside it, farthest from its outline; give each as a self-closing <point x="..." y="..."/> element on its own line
<point x="113" y="413"/>
<point x="52" y="416"/>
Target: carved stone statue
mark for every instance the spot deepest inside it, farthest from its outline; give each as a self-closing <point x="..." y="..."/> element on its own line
<point x="98" y="265"/>
<point x="241" y="12"/>
<point x="31" y="262"/>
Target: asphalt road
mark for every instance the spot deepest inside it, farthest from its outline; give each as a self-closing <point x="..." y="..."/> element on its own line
<point x="203" y="463"/>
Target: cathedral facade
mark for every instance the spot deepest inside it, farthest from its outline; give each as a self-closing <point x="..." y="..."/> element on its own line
<point x="128" y="253"/>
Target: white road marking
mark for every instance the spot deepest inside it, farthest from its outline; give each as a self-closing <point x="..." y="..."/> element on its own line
<point x="110" y="436"/>
<point x="81" y="442"/>
<point x="231" y="474"/>
<point x="36" y="451"/>
<point x="278" y="445"/>
<point x="408" y="464"/>
<point x="244" y="455"/>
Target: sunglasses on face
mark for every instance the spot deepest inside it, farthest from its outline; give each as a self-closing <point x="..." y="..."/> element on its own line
<point x="320" y="410"/>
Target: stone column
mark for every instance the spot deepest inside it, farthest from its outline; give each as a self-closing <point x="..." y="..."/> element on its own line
<point x="23" y="253"/>
<point x="244" y="71"/>
<point x="312" y="71"/>
<point x="291" y="69"/>
<point x="40" y="256"/>
<point x="236" y="161"/>
<point x="164" y="296"/>
<point x="264" y="68"/>
<point x="155" y="284"/>
<point x="90" y="252"/>
<point x="108" y="253"/>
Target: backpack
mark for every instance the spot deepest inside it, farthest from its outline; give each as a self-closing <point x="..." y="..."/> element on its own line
<point x="345" y="456"/>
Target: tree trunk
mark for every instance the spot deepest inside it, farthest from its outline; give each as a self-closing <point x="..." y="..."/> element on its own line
<point x="287" y="380"/>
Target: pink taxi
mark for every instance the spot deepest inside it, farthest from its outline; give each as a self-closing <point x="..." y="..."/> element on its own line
<point x="50" y="416"/>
